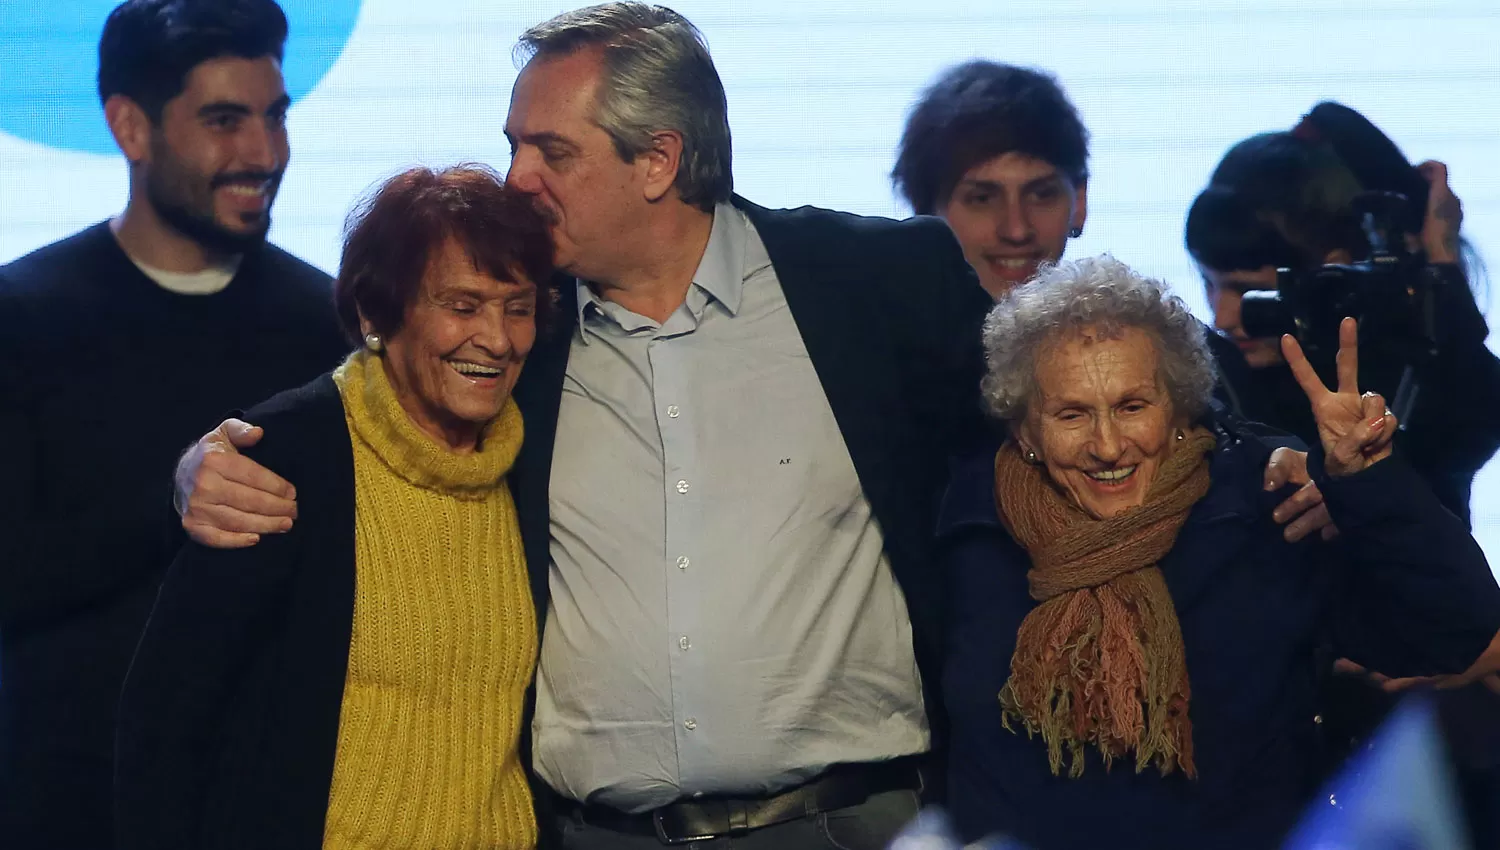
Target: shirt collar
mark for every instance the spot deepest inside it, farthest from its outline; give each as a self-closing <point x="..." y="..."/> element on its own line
<point x="721" y="272"/>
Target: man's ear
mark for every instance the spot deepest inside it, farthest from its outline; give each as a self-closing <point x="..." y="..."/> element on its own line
<point x="659" y="163"/>
<point x="131" y="127"/>
<point x="1080" y="205"/>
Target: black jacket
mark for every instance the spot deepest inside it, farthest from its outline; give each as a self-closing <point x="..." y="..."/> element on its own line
<point x="229" y="719"/>
<point x="1405" y="590"/>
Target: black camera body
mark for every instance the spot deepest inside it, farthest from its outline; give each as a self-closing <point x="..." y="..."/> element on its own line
<point x="1389" y="294"/>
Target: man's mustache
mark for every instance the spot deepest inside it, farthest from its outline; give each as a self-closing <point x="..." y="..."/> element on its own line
<point x="548" y="214"/>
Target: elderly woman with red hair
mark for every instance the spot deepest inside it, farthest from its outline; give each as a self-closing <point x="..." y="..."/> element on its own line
<point x="360" y="680"/>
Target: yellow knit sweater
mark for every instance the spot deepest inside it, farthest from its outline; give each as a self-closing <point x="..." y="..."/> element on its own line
<point x="444" y="637"/>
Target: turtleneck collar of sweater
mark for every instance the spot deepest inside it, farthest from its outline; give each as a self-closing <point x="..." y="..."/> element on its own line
<point x="377" y="418"/>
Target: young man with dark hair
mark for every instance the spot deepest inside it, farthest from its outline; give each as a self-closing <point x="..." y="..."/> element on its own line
<point x="999" y="153"/>
<point x="139" y="329"/>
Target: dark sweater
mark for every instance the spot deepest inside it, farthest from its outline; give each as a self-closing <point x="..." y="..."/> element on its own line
<point x="104" y="378"/>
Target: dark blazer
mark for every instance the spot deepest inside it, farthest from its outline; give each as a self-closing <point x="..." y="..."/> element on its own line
<point x="228" y="723"/>
<point x="1406" y="591"/>
<point x="890" y="313"/>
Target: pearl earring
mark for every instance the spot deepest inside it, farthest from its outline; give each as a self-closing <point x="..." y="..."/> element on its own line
<point x="1031" y="457"/>
<point x="374" y="342"/>
<point x="1181" y="436"/>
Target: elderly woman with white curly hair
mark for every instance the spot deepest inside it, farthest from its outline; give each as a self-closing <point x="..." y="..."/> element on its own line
<point x="1131" y="654"/>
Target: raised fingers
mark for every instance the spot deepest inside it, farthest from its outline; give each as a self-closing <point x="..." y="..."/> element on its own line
<point x="1348" y="356"/>
<point x="1302" y="370"/>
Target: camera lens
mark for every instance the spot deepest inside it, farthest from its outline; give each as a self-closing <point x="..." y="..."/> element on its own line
<point x="1264" y="314"/>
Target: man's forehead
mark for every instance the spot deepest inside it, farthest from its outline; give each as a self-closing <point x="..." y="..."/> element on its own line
<point x="1011" y="166"/>
<point x="236" y="79"/>
<point x="556" y="84"/>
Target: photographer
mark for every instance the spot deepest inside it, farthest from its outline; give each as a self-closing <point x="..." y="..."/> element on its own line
<point x="1295" y="200"/>
<point x="1304" y="201"/>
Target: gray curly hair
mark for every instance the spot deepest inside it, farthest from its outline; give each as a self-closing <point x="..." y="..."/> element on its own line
<point x="1105" y="294"/>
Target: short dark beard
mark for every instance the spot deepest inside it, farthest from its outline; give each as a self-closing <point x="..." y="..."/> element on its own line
<point x="204" y="230"/>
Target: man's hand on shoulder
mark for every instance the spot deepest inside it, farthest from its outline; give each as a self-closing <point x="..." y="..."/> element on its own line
<point x="1304" y="512"/>
<point x="227" y="500"/>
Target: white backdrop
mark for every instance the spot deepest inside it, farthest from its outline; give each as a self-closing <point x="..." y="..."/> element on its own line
<point x="818" y="90"/>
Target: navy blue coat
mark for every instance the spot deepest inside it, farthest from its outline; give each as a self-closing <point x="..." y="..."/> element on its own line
<point x="1405" y="590"/>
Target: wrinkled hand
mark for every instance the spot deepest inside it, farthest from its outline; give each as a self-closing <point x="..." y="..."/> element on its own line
<point x="1304" y="512"/>
<point x="1356" y="430"/>
<point x="227" y="501"/>
<point x="1443" y="216"/>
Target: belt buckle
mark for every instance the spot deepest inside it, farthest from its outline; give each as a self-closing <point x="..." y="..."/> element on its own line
<point x="661" y="832"/>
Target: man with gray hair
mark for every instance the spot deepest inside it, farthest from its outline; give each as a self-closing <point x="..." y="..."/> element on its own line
<point x="730" y="476"/>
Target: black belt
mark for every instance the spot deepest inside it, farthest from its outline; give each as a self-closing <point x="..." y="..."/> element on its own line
<point x="702" y="818"/>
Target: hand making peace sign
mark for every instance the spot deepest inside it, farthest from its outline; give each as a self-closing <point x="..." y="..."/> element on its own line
<point x="1356" y="430"/>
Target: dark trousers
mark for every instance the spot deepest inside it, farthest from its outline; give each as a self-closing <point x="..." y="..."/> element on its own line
<point x="868" y="826"/>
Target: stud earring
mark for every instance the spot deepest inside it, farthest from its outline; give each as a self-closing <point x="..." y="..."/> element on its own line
<point x="1181" y="436"/>
<point x="1075" y="233"/>
<point x="1031" y="457"/>
<point x="374" y="342"/>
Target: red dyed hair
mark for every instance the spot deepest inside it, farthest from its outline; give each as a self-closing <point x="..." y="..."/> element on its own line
<point x="393" y="234"/>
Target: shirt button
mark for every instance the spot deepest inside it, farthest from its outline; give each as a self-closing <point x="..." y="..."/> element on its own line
<point x="1317" y="718"/>
<point x="684" y="643"/>
<point x="682" y="486"/>
<point x="682" y="562"/>
<point x="672" y="411"/>
<point x="690" y="724"/>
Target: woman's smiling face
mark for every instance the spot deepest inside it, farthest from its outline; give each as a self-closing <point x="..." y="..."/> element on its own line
<point x="1101" y="421"/>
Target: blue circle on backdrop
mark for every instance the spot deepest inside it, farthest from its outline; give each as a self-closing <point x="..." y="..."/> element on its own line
<point x="49" y="59"/>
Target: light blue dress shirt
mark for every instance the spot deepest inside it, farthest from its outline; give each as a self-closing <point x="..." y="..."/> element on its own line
<point x="724" y="619"/>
